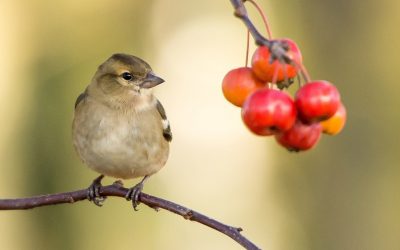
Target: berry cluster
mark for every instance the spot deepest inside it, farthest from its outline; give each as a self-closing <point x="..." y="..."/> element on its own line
<point x="269" y="110"/>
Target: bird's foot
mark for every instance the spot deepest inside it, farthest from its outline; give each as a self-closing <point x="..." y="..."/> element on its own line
<point x="134" y="192"/>
<point x="93" y="192"/>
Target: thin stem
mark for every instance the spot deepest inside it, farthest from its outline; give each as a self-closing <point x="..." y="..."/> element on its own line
<point x="247" y="48"/>
<point x="275" y="76"/>
<point x="299" y="80"/>
<point x="303" y="71"/>
<point x="286" y="78"/>
<point x="278" y="52"/>
<point x="241" y="12"/>
<point x="264" y="17"/>
<point x="119" y="191"/>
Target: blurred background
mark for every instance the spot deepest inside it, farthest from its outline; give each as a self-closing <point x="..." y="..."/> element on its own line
<point x="341" y="195"/>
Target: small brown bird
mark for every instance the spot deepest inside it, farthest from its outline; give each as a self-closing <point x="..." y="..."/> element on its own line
<point x="120" y="129"/>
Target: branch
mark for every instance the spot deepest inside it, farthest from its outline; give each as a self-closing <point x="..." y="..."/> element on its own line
<point x="119" y="191"/>
<point x="277" y="48"/>
<point x="241" y="12"/>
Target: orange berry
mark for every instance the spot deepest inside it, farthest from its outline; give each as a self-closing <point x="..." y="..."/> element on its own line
<point x="238" y="84"/>
<point x="266" y="71"/>
<point x="335" y="124"/>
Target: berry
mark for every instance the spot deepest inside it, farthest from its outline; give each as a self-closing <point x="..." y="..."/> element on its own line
<point x="300" y="137"/>
<point x="266" y="71"/>
<point x="268" y="111"/>
<point x="335" y="124"/>
<point x="317" y="101"/>
<point x="238" y="84"/>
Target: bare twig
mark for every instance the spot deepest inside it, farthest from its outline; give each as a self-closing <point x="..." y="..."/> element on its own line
<point x="241" y="12"/>
<point x="119" y="191"/>
<point x="278" y="49"/>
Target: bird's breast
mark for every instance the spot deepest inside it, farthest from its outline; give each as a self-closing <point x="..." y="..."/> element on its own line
<point x="121" y="143"/>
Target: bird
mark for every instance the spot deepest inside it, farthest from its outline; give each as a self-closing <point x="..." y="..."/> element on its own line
<point x="120" y="129"/>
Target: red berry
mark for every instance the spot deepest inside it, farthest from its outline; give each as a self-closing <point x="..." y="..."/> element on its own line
<point x="265" y="70"/>
<point x="300" y="137"/>
<point x="317" y="101"/>
<point x="268" y="111"/>
<point x="335" y="124"/>
<point x="238" y="84"/>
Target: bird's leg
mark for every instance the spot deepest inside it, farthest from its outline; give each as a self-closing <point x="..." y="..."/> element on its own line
<point x="133" y="193"/>
<point x="93" y="192"/>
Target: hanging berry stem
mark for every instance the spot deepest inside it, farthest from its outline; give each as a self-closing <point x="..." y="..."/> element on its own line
<point x="247" y="48"/>
<point x="303" y="71"/>
<point x="241" y="12"/>
<point x="264" y="17"/>
<point x="278" y="52"/>
<point x="275" y="77"/>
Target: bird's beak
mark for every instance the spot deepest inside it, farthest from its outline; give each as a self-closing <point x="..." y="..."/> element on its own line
<point x="151" y="81"/>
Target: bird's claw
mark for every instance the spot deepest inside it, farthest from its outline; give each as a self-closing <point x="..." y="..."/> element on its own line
<point x="133" y="195"/>
<point x="93" y="192"/>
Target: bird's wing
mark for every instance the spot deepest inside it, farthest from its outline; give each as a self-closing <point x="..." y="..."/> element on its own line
<point x="80" y="98"/>
<point x="166" y="127"/>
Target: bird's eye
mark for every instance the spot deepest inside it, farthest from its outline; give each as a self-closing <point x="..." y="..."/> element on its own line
<point x="127" y="76"/>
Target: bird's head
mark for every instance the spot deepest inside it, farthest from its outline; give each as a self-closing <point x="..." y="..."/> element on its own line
<point x="125" y="72"/>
